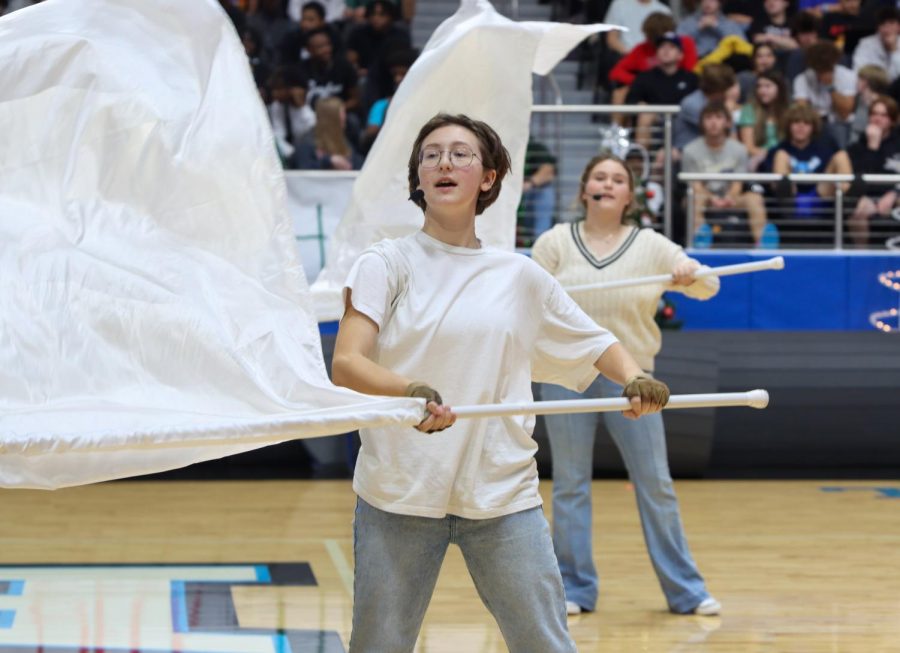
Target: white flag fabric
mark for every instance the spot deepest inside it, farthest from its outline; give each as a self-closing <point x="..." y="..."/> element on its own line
<point x="479" y="63"/>
<point x="153" y="311"/>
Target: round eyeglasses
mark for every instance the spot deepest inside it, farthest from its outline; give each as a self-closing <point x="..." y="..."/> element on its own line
<point x="460" y="156"/>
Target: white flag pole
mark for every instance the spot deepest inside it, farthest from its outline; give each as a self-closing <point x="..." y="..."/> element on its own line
<point x="753" y="399"/>
<point x="776" y="263"/>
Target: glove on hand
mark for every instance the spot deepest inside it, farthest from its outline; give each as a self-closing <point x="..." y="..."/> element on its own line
<point x="426" y="392"/>
<point x="423" y="391"/>
<point x="648" y="389"/>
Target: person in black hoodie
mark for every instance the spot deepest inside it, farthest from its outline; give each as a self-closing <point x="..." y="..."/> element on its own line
<point x="876" y="152"/>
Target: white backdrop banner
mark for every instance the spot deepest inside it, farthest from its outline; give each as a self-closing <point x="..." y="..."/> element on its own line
<point x="316" y="201"/>
<point x="153" y="312"/>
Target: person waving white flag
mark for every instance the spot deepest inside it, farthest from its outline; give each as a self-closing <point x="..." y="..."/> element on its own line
<point x="479" y="63"/>
<point x="153" y="310"/>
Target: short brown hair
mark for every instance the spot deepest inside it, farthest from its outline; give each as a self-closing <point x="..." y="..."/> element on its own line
<point x="493" y="155"/>
<point x="657" y="24"/>
<point x="713" y="108"/>
<point x="822" y="56"/>
<point x="716" y="78"/>
<point x="801" y="112"/>
<point x="890" y="105"/>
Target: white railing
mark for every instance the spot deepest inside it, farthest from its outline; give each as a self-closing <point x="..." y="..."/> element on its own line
<point x="666" y="111"/>
<point x="767" y="178"/>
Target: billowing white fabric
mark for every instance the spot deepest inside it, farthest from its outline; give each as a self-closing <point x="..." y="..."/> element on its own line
<point x="153" y="310"/>
<point x="479" y="63"/>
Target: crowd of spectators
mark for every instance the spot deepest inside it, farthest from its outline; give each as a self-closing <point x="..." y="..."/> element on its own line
<point x="326" y="70"/>
<point x="798" y="86"/>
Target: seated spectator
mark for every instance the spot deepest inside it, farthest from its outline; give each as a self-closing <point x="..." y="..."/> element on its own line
<point x="399" y="63"/>
<point x="742" y="12"/>
<point x="829" y="88"/>
<point x="630" y="14"/>
<point x="764" y="60"/>
<point x="871" y="81"/>
<point x="715" y="152"/>
<point x="878" y="152"/>
<point x="538" y="204"/>
<point x="328" y="146"/>
<point x="708" y="26"/>
<point x="333" y="10"/>
<point x="773" y="28"/>
<point x="369" y="44"/>
<point x="260" y="67"/>
<point x="805" y="28"/>
<point x="312" y="18"/>
<point x="807" y="150"/>
<point x="272" y="24"/>
<point x="355" y="11"/>
<point x="290" y="114"/>
<point x="883" y="48"/>
<point x="760" y="122"/>
<point x="643" y="56"/>
<point x="329" y="74"/>
<point x="714" y="83"/>
<point x="846" y="26"/>
<point x="666" y="83"/>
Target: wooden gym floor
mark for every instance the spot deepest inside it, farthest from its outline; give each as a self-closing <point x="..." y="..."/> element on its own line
<point x="134" y="566"/>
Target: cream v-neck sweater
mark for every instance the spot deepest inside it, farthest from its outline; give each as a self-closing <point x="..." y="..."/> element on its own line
<point x="627" y="312"/>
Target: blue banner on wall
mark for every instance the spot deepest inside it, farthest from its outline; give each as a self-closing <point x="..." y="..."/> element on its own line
<point x="817" y="292"/>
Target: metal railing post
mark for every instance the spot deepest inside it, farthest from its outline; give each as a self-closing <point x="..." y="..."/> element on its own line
<point x="838" y="217"/>
<point x="689" y="236"/>
<point x="667" y="175"/>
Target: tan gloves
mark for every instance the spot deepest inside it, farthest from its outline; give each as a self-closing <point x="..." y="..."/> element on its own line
<point x="423" y="391"/>
<point x="433" y="422"/>
<point x="648" y="389"/>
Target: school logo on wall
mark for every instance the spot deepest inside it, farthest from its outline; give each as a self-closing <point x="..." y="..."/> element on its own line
<point x="153" y="608"/>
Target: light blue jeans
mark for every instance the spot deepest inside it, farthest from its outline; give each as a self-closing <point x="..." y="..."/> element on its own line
<point x="510" y="558"/>
<point x="642" y="443"/>
<point x="538" y="205"/>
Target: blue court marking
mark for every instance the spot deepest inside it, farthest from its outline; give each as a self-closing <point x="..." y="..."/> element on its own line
<point x="884" y="492"/>
<point x="6" y="618"/>
<point x="14" y="587"/>
<point x="262" y="574"/>
<point x="179" y="608"/>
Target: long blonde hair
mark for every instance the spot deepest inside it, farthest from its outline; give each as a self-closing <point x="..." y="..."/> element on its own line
<point x="329" y="129"/>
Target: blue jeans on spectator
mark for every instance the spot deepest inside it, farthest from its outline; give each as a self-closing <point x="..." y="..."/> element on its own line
<point x="510" y="559"/>
<point x="642" y="443"/>
<point x="538" y="205"/>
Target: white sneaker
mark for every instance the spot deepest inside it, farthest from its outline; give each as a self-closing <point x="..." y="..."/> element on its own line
<point x="708" y="607"/>
<point x="572" y="608"/>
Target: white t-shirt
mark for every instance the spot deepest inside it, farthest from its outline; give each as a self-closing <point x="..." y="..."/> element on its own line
<point x="807" y="87"/>
<point x="478" y="325"/>
<point x="631" y="14"/>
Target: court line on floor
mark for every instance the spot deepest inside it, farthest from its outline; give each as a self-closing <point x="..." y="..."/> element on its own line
<point x="341" y="564"/>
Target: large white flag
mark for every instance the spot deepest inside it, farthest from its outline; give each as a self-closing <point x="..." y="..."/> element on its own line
<point x="478" y="63"/>
<point x="153" y="310"/>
